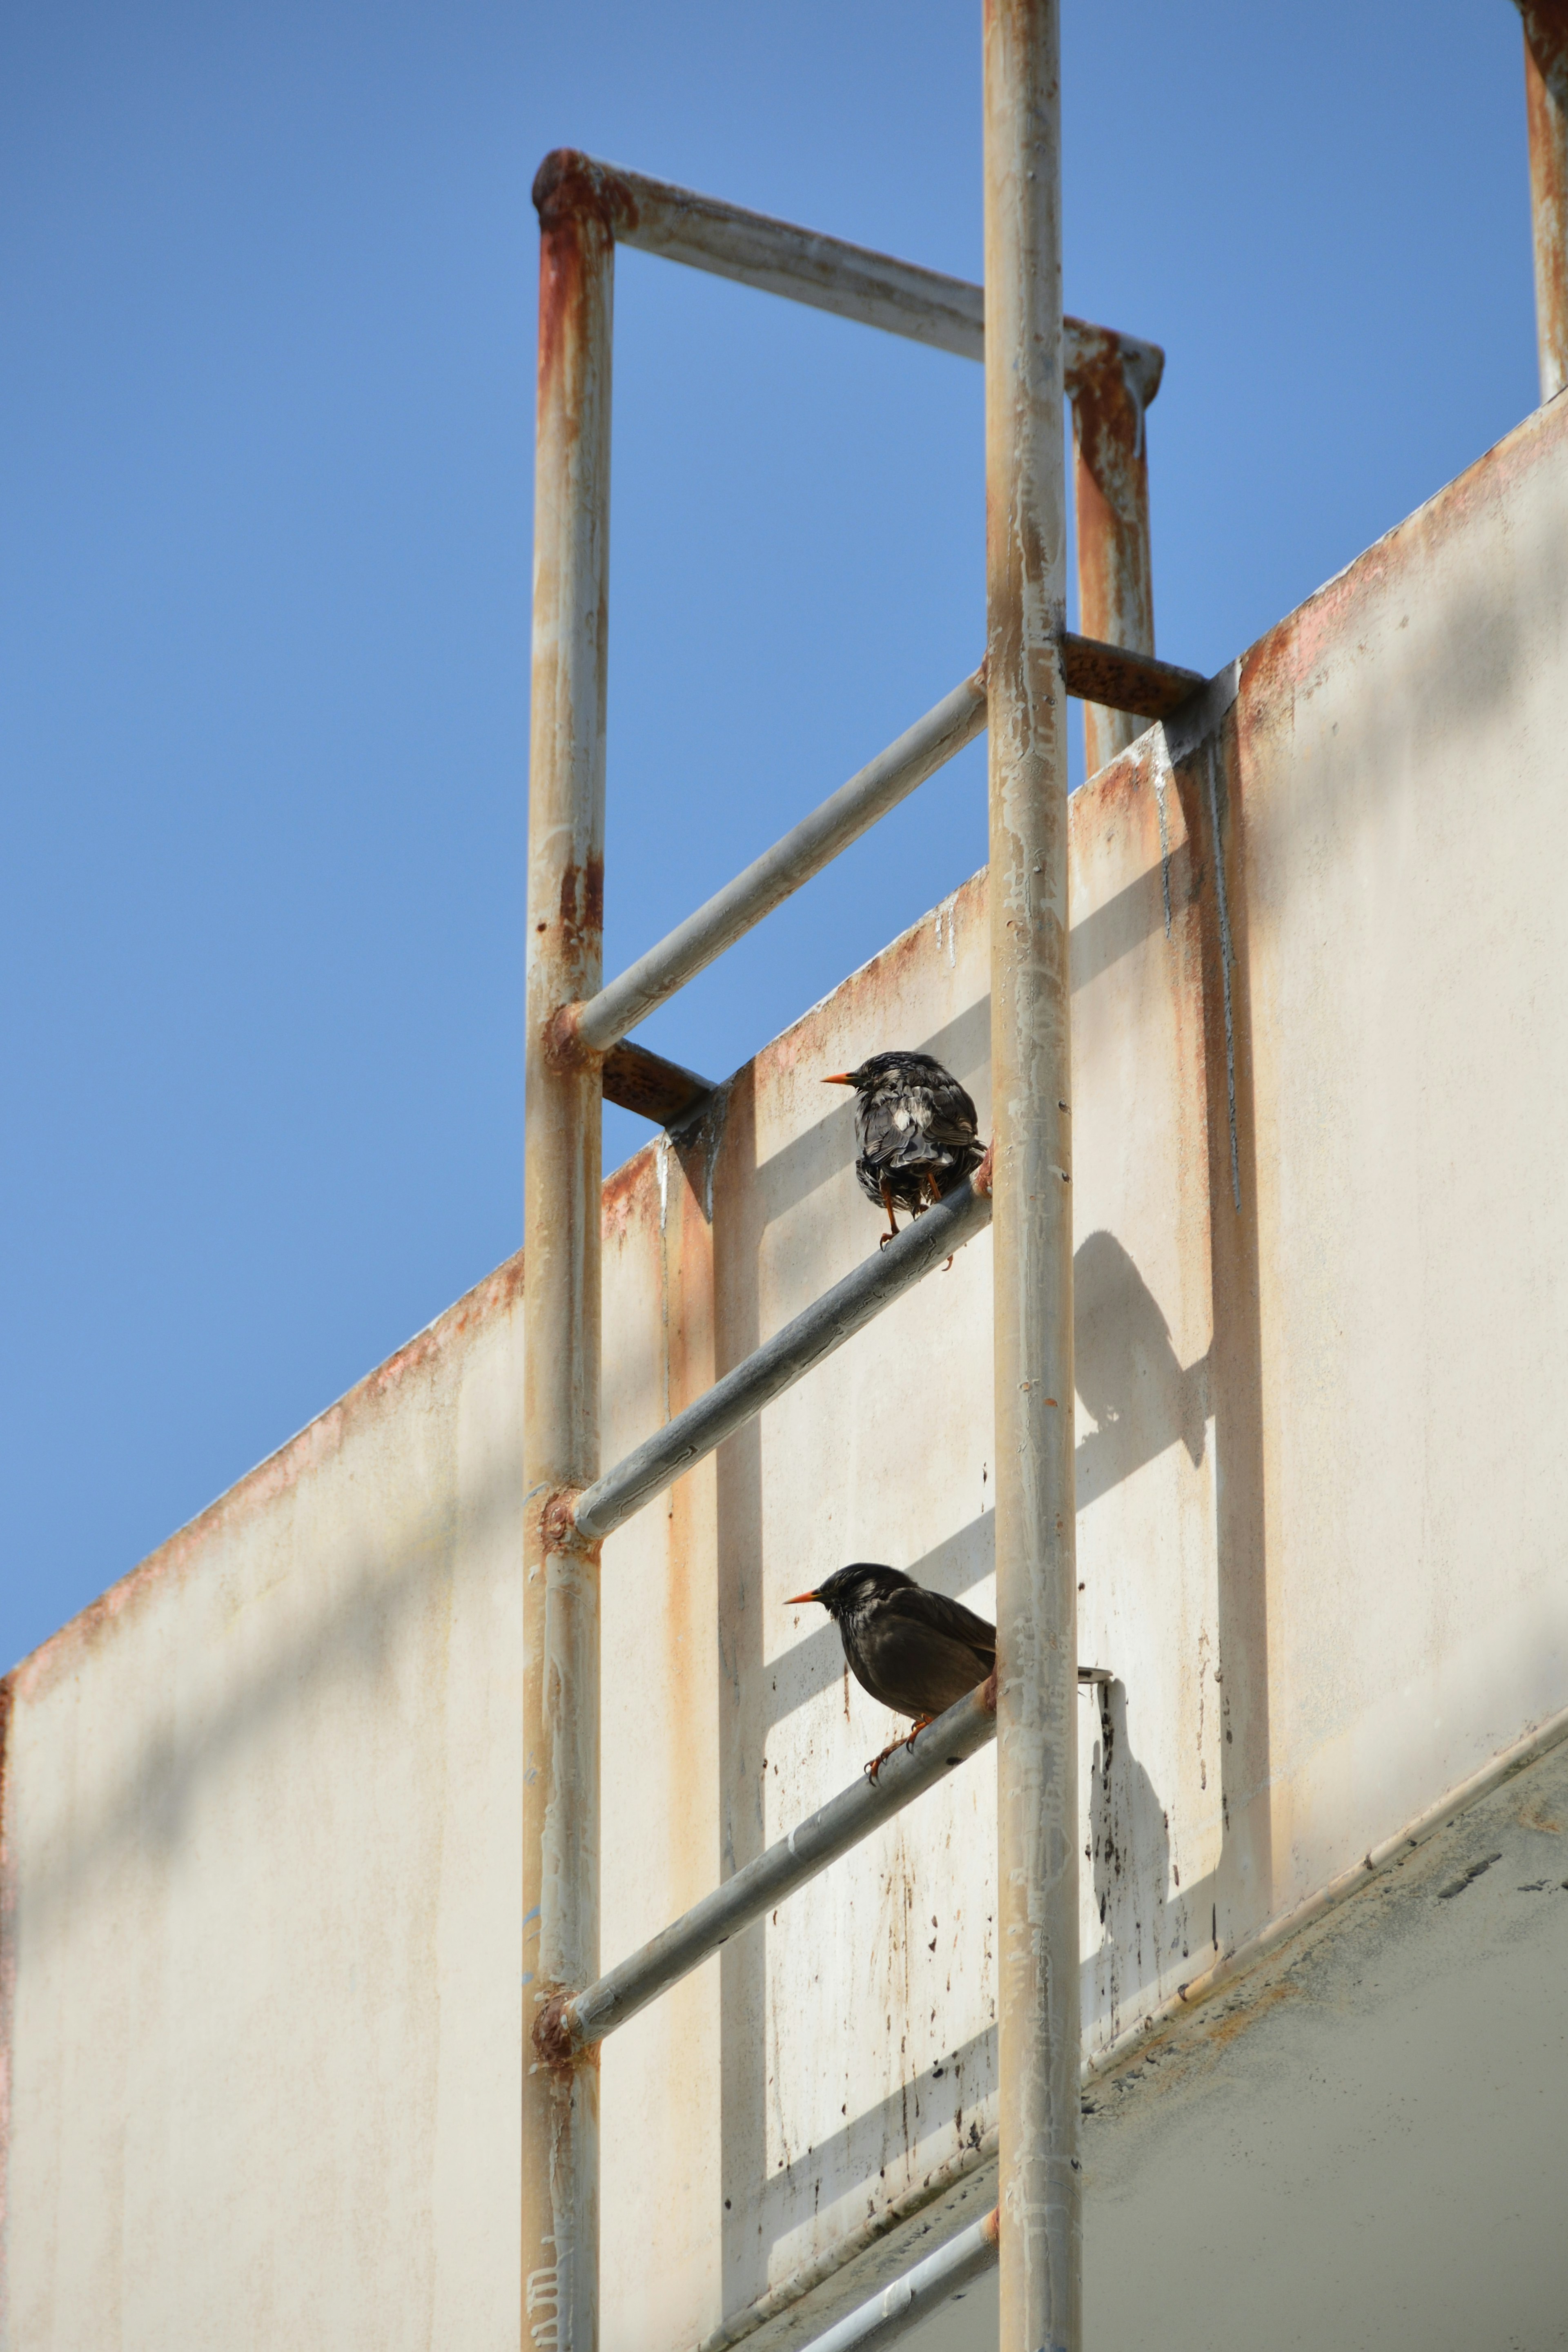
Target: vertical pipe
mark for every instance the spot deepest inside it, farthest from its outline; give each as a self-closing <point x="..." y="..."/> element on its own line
<point x="1110" y="394"/>
<point x="1036" y="1800"/>
<point x="1546" y="110"/>
<point x="561" y="1381"/>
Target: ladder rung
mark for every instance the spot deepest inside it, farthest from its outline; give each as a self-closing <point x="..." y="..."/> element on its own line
<point x="780" y="1362"/>
<point x="569" y="2024"/>
<point x="1109" y="675"/>
<point x="883" y="2319"/>
<point x="1123" y="680"/>
<point x="637" y="1080"/>
<point x="781" y="871"/>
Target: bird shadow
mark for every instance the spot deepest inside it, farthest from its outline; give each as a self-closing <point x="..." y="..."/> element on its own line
<point x="1143" y="1400"/>
<point x="1127" y="1373"/>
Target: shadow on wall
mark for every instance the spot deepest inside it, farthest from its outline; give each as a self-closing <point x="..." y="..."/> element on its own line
<point x="1144" y="1914"/>
<point x="1141" y="1400"/>
<point x="1126" y="1371"/>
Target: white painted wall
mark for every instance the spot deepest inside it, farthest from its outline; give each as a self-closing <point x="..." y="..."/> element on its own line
<point x="261" y="1809"/>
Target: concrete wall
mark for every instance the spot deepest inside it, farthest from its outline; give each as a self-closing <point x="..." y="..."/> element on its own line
<point x="261" y="1819"/>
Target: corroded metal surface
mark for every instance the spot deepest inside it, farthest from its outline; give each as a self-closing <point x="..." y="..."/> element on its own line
<point x="1125" y="680"/>
<point x="635" y="1080"/>
<point x="560" y="1411"/>
<point x="1039" y="2026"/>
<point x="1546" y="113"/>
<point x="1110" y="491"/>
<point x="827" y="273"/>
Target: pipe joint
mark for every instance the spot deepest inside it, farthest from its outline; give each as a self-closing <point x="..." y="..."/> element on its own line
<point x="555" y="2043"/>
<point x="559" y="1529"/>
<point x="564" y="1051"/>
<point x="571" y="187"/>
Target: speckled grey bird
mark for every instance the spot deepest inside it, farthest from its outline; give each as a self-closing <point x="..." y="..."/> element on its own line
<point x="917" y="1131"/>
<point x="916" y="1651"/>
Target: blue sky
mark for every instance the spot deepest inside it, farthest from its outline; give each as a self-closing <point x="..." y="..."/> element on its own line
<point x="266" y="434"/>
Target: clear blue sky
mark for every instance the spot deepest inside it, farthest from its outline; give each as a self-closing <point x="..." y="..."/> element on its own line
<point x="266" y="440"/>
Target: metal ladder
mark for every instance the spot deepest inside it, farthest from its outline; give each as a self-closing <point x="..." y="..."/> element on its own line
<point x="577" y="1054"/>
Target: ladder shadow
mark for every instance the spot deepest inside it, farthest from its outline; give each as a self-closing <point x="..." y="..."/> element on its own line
<point x="1143" y="1400"/>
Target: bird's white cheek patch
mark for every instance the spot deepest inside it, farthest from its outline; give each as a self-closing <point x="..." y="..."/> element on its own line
<point x="901" y="1119"/>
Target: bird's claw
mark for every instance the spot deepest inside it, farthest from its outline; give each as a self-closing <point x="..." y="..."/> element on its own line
<point x="875" y="1767"/>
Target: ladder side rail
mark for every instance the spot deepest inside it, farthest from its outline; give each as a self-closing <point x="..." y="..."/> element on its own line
<point x="780" y="1362"/>
<point x="1038" y="2025"/>
<point x="572" y="2022"/>
<point x="1546" y="115"/>
<point x="1115" y="562"/>
<point x="560" y="1928"/>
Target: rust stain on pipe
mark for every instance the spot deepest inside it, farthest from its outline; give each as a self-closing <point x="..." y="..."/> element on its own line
<point x="563" y="1209"/>
<point x="1110" y="476"/>
<point x="1125" y="680"/>
<point x="1547" y="114"/>
<point x="638" y="1080"/>
<point x="559" y="1529"/>
<point x="570" y="187"/>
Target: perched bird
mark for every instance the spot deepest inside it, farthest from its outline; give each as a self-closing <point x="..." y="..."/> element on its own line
<point x="916" y="1128"/>
<point x="916" y="1651"/>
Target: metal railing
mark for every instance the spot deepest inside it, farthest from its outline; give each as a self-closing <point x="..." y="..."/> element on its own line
<point x="577" y="1051"/>
<point x="579" y="1054"/>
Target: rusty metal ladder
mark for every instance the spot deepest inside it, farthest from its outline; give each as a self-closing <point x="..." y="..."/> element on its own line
<point x="578" y="1056"/>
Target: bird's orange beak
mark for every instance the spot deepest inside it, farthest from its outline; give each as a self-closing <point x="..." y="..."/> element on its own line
<point x="840" y="1078"/>
<point x="790" y="1603"/>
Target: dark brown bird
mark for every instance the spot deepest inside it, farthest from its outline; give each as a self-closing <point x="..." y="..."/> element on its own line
<point x="916" y="1651"/>
<point x="917" y="1131"/>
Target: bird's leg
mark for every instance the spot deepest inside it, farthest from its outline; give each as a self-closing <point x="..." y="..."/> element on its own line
<point x="929" y="1186"/>
<point x="905" y="1741"/>
<point x="892" y="1221"/>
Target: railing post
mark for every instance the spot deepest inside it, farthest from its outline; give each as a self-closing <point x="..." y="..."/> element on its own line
<point x="1111" y="390"/>
<point x="561" y="1278"/>
<point x="1037" y="1797"/>
<point x="1546" y="110"/>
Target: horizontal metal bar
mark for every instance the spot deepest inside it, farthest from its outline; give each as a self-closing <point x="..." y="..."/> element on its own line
<point x="637" y="1080"/>
<point x="574" y="2021"/>
<point x="1109" y="675"/>
<point x="1123" y="680"/>
<point x="828" y="273"/>
<point x="571" y="2023"/>
<point x="771" y="878"/>
<point x="780" y="1362"/>
<point x="885" y="2317"/>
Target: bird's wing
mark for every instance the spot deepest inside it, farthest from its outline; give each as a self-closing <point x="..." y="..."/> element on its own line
<point x="949" y="1617"/>
<point x="952" y="1117"/>
<point x="880" y="1132"/>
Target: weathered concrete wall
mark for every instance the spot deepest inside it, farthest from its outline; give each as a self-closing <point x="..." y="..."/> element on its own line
<point x="261" y="1807"/>
<point x="261" y="1893"/>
